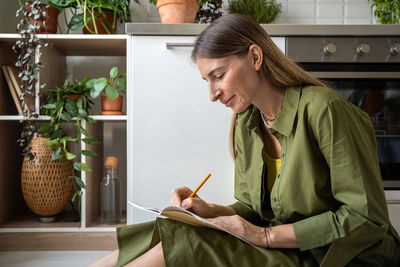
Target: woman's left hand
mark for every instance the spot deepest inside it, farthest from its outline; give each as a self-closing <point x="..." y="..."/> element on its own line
<point x="242" y="228"/>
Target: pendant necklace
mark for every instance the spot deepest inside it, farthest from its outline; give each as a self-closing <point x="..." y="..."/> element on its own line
<point x="265" y="120"/>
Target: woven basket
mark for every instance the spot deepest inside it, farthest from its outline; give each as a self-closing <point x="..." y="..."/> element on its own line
<point x="44" y="183"/>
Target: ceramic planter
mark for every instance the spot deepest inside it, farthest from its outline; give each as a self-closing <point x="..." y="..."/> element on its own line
<point x="111" y="107"/>
<point x="178" y="11"/>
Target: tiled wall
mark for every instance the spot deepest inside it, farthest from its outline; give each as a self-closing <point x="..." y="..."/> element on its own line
<point x="326" y="12"/>
<point x="293" y="12"/>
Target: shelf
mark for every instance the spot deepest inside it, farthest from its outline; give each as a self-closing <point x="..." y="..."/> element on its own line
<point x="47" y="118"/>
<point x="30" y="220"/>
<point x="79" y="44"/>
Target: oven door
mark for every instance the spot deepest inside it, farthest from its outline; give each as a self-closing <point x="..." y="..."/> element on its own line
<point x="378" y="94"/>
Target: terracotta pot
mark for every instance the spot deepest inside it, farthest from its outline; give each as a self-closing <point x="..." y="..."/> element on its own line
<point x="111" y="107"/>
<point x="178" y="11"/>
<point x="43" y="184"/>
<point x="51" y="20"/>
<point x="102" y="23"/>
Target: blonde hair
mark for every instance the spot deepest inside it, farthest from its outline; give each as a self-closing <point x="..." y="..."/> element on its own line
<point x="233" y="34"/>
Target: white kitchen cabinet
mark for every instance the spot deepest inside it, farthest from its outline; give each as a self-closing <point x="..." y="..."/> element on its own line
<point x="393" y="200"/>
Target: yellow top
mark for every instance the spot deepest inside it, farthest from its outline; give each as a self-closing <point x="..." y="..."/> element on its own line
<point x="273" y="166"/>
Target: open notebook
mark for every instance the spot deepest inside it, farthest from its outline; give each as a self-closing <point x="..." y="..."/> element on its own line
<point x="185" y="216"/>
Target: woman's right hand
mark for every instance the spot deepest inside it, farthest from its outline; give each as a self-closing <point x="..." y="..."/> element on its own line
<point x="180" y="198"/>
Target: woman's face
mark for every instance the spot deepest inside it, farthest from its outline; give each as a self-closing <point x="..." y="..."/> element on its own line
<point x="232" y="80"/>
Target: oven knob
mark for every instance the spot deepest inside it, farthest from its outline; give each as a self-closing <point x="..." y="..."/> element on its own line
<point x="329" y="49"/>
<point x="395" y="49"/>
<point x="363" y="49"/>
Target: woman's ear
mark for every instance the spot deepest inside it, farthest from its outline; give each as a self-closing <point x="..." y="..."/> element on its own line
<point x="256" y="56"/>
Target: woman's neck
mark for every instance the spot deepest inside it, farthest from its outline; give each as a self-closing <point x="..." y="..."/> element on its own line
<point x="269" y="99"/>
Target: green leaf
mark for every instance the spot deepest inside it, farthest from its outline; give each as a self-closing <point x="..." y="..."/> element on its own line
<point x="70" y="106"/>
<point x="76" y="22"/>
<point x="91" y="120"/>
<point x="66" y="82"/>
<point x="88" y="153"/>
<point x="113" y="72"/>
<point x="65" y="116"/>
<point x="49" y="106"/>
<point x="121" y="83"/>
<point x="100" y="83"/>
<point x="79" y="166"/>
<point x="90" y="141"/>
<point x="64" y="165"/>
<point x="44" y="128"/>
<point x="90" y="83"/>
<point x="51" y="142"/>
<point x="74" y="196"/>
<point x="55" y="155"/>
<point x="84" y="131"/>
<point x="111" y="92"/>
<point x="70" y="156"/>
<point x="79" y="182"/>
<point x="57" y="134"/>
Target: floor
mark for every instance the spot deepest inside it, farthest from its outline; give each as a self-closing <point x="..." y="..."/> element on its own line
<point x="48" y="258"/>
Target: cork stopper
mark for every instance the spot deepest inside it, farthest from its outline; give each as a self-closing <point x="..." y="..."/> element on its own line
<point x="112" y="162"/>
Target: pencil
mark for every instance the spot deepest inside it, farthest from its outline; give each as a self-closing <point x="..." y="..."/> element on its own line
<point x="200" y="185"/>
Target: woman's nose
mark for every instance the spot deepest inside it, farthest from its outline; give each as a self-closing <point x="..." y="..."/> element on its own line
<point x="215" y="94"/>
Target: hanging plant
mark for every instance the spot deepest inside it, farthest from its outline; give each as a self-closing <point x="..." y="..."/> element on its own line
<point x="386" y="11"/>
<point x="209" y="11"/>
<point x="27" y="48"/>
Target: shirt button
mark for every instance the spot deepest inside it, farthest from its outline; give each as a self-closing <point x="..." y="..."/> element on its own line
<point x="274" y="199"/>
<point x="278" y="176"/>
<point x="283" y="155"/>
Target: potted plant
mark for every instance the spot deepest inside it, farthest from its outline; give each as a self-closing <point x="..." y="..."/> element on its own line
<point x="28" y="50"/>
<point x="111" y="100"/>
<point x="209" y="11"/>
<point x="95" y="16"/>
<point x="177" y="11"/>
<point x="386" y="11"/>
<point x="262" y="11"/>
<point x="69" y="105"/>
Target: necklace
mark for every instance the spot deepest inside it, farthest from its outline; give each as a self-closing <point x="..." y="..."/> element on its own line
<point x="266" y="120"/>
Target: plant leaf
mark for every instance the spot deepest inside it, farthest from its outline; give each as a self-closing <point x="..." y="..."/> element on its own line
<point x="49" y="106"/>
<point x="65" y="116"/>
<point x="55" y="155"/>
<point x="88" y="153"/>
<point x="70" y="156"/>
<point x="90" y="141"/>
<point x="121" y="83"/>
<point x="111" y="92"/>
<point x="90" y="83"/>
<point x="44" y="128"/>
<point x="79" y="182"/>
<point x="70" y="106"/>
<point x="113" y="72"/>
<point x="79" y="166"/>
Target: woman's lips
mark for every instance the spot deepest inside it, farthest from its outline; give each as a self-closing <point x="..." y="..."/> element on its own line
<point x="228" y="102"/>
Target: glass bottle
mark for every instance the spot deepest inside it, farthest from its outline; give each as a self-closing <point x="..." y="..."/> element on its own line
<point x="110" y="193"/>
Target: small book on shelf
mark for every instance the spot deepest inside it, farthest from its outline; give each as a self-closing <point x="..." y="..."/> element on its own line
<point x="185" y="216"/>
<point x="14" y="94"/>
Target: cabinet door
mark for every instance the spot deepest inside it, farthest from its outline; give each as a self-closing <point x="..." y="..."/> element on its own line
<point x="178" y="136"/>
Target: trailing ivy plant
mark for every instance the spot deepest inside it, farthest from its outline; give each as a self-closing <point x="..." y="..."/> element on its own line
<point x="69" y="104"/>
<point x="386" y="11"/>
<point x="262" y="11"/>
<point x="27" y="48"/>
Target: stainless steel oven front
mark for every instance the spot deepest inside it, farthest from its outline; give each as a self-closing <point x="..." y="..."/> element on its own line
<point x="366" y="71"/>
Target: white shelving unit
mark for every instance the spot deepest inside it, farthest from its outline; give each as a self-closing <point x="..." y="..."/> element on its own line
<point x="79" y="56"/>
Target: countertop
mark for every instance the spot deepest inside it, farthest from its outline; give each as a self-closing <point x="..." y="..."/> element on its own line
<point x="190" y="29"/>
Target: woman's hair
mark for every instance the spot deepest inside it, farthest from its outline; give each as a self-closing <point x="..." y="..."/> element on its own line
<point x="233" y="35"/>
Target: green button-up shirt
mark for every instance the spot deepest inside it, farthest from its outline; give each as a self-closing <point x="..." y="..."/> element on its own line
<point x="329" y="184"/>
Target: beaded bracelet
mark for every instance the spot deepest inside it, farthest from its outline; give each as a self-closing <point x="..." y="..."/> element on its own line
<point x="267" y="237"/>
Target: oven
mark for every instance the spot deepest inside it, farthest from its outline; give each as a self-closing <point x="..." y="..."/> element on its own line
<point x="366" y="71"/>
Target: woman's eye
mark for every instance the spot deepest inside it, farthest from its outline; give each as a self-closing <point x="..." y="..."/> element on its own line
<point x="219" y="77"/>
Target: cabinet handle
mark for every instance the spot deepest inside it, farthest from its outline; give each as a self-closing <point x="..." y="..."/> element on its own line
<point x="174" y="45"/>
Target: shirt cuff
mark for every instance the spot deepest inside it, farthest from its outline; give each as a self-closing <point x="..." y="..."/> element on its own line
<point x="316" y="231"/>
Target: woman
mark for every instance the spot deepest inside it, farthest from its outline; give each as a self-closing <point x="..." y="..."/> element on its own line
<point x="307" y="176"/>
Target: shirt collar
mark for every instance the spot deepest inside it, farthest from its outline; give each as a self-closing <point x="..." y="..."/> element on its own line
<point x="285" y="119"/>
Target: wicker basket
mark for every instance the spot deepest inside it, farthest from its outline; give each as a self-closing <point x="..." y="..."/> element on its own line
<point x="44" y="183"/>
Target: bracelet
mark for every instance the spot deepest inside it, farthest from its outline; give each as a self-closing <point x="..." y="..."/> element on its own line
<point x="267" y="237"/>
